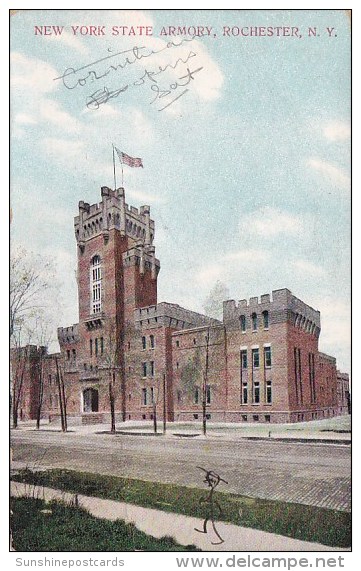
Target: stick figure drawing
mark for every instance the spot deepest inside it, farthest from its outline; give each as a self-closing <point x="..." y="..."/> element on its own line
<point x="212" y="479"/>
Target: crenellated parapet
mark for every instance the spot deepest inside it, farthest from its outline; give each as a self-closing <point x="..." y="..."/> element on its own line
<point x="171" y="315"/>
<point x="282" y="307"/>
<point x="144" y="257"/>
<point x="113" y="213"/>
<point x="68" y="334"/>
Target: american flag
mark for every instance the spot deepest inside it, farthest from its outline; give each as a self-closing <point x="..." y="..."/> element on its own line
<point x="127" y="160"/>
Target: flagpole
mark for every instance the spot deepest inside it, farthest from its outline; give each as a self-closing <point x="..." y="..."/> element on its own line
<point x="115" y="180"/>
<point x="121" y="162"/>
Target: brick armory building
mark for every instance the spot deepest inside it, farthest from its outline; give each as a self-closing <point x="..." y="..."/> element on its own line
<point x="261" y="363"/>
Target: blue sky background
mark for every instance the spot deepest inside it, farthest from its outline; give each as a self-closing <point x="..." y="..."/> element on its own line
<point x="247" y="174"/>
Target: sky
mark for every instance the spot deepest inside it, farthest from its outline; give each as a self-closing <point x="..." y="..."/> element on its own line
<point x="245" y="142"/>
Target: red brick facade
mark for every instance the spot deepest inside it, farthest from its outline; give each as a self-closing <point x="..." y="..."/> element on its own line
<point x="261" y="363"/>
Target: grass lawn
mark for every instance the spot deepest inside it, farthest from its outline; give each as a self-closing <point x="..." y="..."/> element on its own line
<point x="309" y="523"/>
<point x="55" y="526"/>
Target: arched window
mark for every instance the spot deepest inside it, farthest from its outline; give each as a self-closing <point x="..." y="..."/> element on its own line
<point x="242" y="320"/>
<point x="254" y="321"/>
<point x="265" y="319"/>
<point x="96" y="284"/>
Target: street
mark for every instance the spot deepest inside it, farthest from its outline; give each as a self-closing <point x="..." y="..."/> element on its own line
<point x="307" y="473"/>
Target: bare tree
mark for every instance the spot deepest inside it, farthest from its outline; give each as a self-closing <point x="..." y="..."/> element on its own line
<point x="43" y="339"/>
<point x="29" y="278"/>
<point x="19" y="366"/>
<point x="111" y="359"/>
<point x="195" y="374"/>
<point x="213" y="304"/>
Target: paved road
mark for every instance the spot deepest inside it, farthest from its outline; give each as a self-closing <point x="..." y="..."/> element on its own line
<point x="312" y="474"/>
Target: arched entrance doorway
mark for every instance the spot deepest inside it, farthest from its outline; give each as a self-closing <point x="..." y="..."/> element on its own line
<point x="90" y="400"/>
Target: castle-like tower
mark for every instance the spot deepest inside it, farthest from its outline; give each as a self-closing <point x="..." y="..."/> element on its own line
<point x="117" y="273"/>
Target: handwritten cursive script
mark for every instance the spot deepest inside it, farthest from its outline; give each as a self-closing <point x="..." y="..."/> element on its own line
<point x="95" y="71"/>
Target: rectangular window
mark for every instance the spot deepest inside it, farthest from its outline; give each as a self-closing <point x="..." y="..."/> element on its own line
<point x="144" y="369"/>
<point x="152" y="368"/>
<point x="196" y="395"/>
<point x="267" y="417"/>
<point x="101" y="345"/>
<point x="244" y="417"/>
<point x="144" y="343"/>
<point x="152" y="395"/>
<point x="152" y="343"/>
<point x="91" y="346"/>
<point x="74" y="354"/>
<point x="269" y="392"/>
<point x="244" y="358"/>
<point x="96" y="346"/>
<point x="179" y="396"/>
<point x="68" y="354"/>
<point x="267" y="357"/>
<point x="255" y="358"/>
<point x="245" y="393"/>
<point x="144" y="396"/>
<point x="256" y="392"/>
<point x="256" y="417"/>
<point x="208" y="394"/>
<point x="177" y="343"/>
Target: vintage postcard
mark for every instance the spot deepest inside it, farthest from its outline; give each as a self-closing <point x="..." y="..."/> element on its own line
<point x="180" y="286"/>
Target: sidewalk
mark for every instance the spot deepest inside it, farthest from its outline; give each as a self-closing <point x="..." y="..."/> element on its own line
<point x="328" y="431"/>
<point x="181" y="528"/>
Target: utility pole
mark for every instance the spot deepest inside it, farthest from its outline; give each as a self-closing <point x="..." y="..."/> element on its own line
<point x="205" y="379"/>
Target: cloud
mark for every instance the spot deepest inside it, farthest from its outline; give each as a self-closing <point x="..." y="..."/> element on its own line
<point x="24" y="119"/>
<point x="71" y="41"/>
<point x="337" y="131"/>
<point x="51" y="112"/>
<point x="31" y="74"/>
<point x="308" y="268"/>
<point x="208" y="274"/>
<point x="269" y="222"/>
<point x="335" y="329"/>
<point x="222" y="268"/>
<point x="330" y="172"/>
<point x="249" y="256"/>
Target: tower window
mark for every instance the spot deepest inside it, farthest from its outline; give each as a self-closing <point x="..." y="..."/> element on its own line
<point x="265" y="320"/>
<point x="144" y="368"/>
<point x="101" y="345"/>
<point x="152" y="344"/>
<point x="152" y="368"/>
<point x="144" y="396"/>
<point x="254" y="321"/>
<point x="96" y="288"/>
<point x="243" y="323"/>
<point x="244" y="359"/>
<point x="267" y="357"/>
<point x="91" y="346"/>
<point x="144" y="342"/>
<point x="255" y="358"/>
